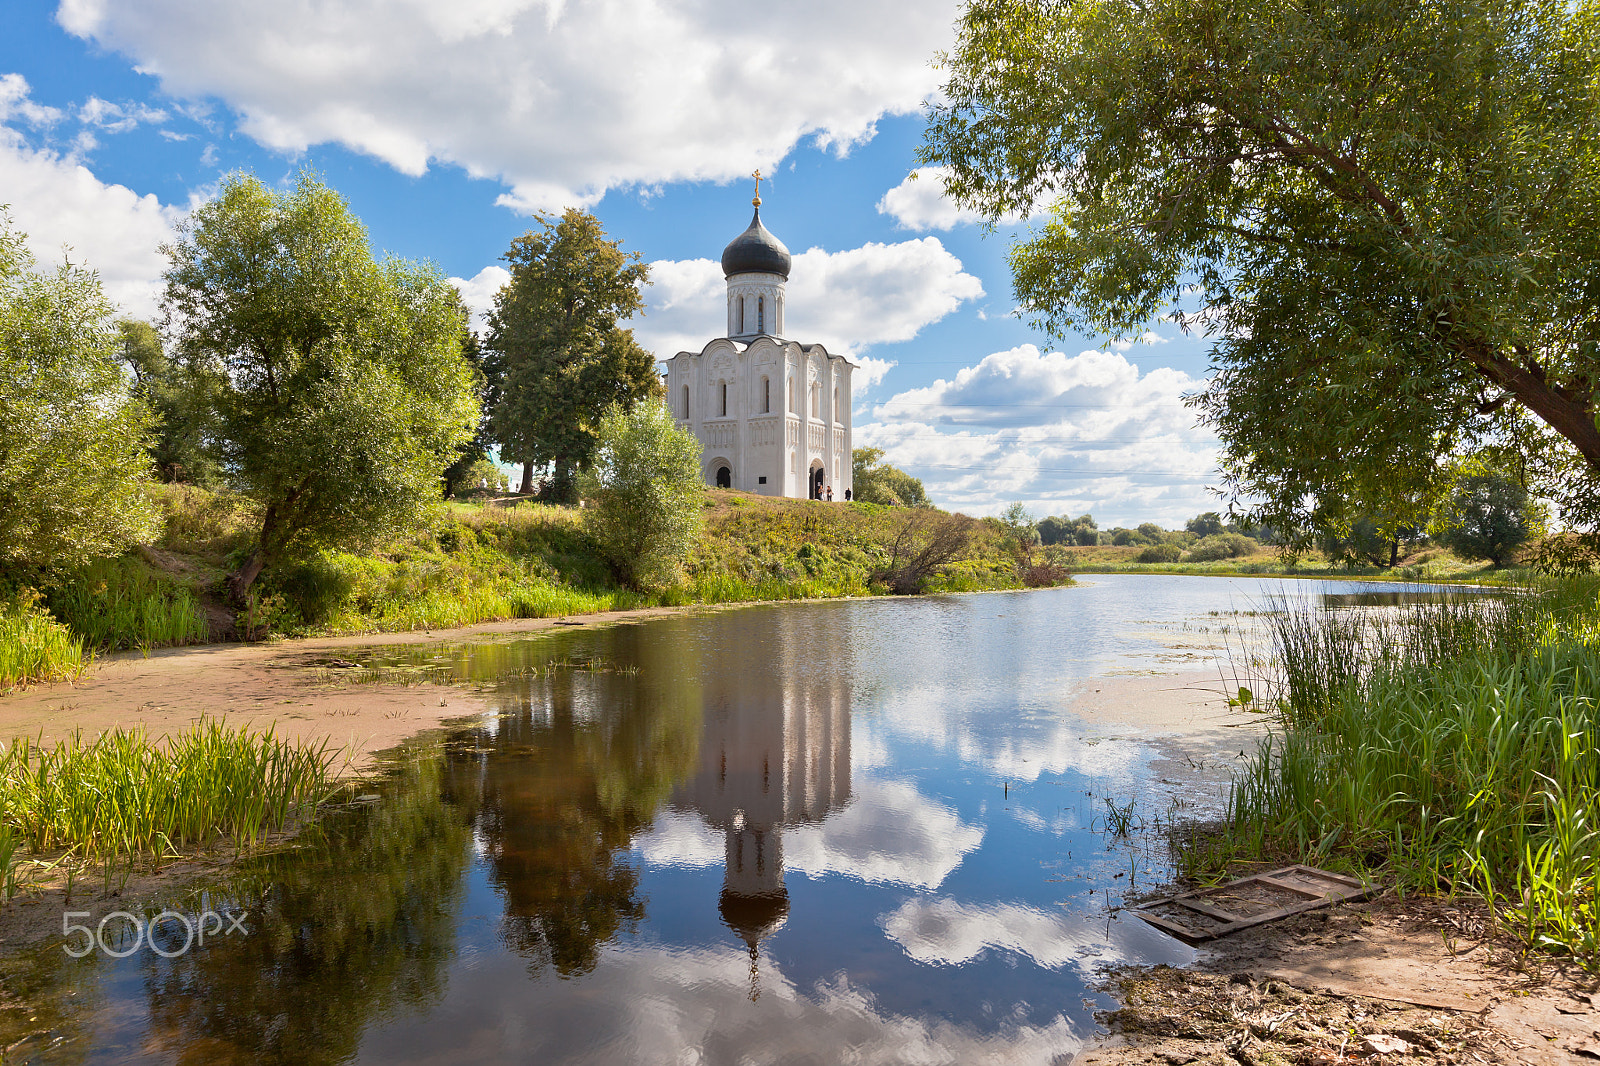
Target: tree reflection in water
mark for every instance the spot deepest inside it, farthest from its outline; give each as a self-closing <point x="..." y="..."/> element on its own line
<point x="556" y="788"/>
<point x="341" y="932"/>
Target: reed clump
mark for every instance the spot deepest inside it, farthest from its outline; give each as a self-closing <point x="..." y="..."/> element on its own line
<point x="34" y="647"/>
<point x="121" y="794"/>
<point x="1445" y="747"/>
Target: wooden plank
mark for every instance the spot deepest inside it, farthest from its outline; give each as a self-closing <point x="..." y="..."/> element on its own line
<point x="1342" y="890"/>
<point x="1299" y="890"/>
<point x="1209" y="911"/>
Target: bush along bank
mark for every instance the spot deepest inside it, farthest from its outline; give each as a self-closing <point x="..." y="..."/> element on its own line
<point x="1449" y="748"/>
<point x="480" y="562"/>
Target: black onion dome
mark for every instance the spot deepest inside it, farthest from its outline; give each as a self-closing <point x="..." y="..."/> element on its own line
<point x="755" y="251"/>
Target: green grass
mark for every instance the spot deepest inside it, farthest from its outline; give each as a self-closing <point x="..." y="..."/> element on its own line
<point x="34" y="647"/>
<point x="121" y="794"/>
<point x="1442" y="748"/>
<point x="124" y="603"/>
<point x="486" y="563"/>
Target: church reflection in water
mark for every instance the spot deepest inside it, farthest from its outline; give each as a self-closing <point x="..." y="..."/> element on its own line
<point x="774" y="754"/>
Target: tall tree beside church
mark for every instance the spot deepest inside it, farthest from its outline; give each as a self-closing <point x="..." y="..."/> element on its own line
<point x="1384" y="211"/>
<point x="555" y="339"/>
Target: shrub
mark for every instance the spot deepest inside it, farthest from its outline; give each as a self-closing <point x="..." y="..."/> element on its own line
<point x="1220" y="546"/>
<point x="1161" y="553"/>
<point x="647" y="489"/>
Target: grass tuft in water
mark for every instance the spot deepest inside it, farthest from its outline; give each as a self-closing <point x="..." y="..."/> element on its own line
<point x="1442" y="747"/>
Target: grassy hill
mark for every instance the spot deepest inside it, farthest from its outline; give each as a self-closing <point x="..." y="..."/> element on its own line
<point x="486" y="560"/>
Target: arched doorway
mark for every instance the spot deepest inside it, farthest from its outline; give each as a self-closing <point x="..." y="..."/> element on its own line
<point x="724" y="478"/>
<point x="816" y="479"/>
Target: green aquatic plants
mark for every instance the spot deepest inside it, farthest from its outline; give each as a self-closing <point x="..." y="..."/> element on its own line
<point x="1445" y="747"/>
<point x="121" y="794"/>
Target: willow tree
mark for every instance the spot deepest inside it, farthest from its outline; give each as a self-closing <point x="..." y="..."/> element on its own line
<point x="557" y="347"/>
<point x="343" y="392"/>
<point x="1382" y="210"/>
<point x="72" y="436"/>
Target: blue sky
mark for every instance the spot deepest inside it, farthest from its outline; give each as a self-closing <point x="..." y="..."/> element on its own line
<point x="447" y="123"/>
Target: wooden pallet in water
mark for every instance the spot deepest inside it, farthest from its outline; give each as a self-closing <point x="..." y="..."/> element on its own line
<point x="1208" y="913"/>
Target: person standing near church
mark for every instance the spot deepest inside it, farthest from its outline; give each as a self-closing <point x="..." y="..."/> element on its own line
<point x="830" y="493"/>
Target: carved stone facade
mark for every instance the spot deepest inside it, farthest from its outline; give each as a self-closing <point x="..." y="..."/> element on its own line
<point x="772" y="415"/>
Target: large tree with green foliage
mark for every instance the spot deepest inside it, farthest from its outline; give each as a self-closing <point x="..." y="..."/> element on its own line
<point x="72" y="437"/>
<point x="344" y="392"/>
<point x="647" y="489"/>
<point x="555" y="343"/>
<point x="1382" y="209"/>
<point x="183" y="398"/>
<point x="874" y="481"/>
<point x="1487" y="516"/>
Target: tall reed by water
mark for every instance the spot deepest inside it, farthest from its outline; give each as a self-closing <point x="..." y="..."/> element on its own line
<point x="122" y="794"/>
<point x="1446" y="747"/>
<point x="121" y="603"/>
<point x="34" y="647"/>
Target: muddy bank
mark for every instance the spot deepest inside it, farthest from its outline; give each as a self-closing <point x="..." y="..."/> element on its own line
<point x="1391" y="981"/>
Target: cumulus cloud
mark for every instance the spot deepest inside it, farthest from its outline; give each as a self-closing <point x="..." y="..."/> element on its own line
<point x="919" y="203"/>
<point x="889" y="833"/>
<point x="478" y="291"/>
<point x="561" y="101"/>
<point x="848" y="300"/>
<point x="1066" y="434"/>
<point x="61" y="205"/>
<point x="16" y="103"/>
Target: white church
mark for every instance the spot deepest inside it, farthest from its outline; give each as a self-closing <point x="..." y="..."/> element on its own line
<point x="772" y="415"/>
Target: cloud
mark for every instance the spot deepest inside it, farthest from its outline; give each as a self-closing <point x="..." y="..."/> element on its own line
<point x="478" y="292"/>
<point x="15" y="103"/>
<point x="560" y="101"/>
<point x="59" y="203"/>
<point x="848" y="301"/>
<point x="118" y="118"/>
<point x="919" y="203"/>
<point x="889" y="833"/>
<point x="944" y="932"/>
<point x="656" y="1005"/>
<point x="1065" y="434"/>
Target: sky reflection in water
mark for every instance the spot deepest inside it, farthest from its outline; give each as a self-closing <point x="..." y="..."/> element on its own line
<point x="796" y="834"/>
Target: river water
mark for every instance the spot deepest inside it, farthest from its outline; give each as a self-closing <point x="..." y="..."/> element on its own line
<point x="869" y="831"/>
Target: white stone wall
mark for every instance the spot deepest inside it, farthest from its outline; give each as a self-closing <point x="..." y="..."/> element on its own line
<point x="767" y="409"/>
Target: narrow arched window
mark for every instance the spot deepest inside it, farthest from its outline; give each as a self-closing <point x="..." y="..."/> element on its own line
<point x="686" y="403"/>
<point x="816" y="401"/>
<point x="761" y="314"/>
<point x="790" y="403"/>
<point x="741" y="314"/>
<point x="836" y="403"/>
<point x="724" y="399"/>
<point x="766" y="396"/>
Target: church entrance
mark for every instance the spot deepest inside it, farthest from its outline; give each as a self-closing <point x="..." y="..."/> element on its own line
<point x="816" y="480"/>
<point x="724" y="478"/>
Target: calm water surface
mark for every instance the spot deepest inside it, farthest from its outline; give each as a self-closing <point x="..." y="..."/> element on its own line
<point x="869" y="831"/>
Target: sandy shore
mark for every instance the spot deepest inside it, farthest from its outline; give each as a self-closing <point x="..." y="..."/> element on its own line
<point x="244" y="684"/>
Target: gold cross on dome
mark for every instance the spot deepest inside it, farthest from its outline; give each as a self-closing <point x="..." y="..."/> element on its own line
<point x="757" y="201"/>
